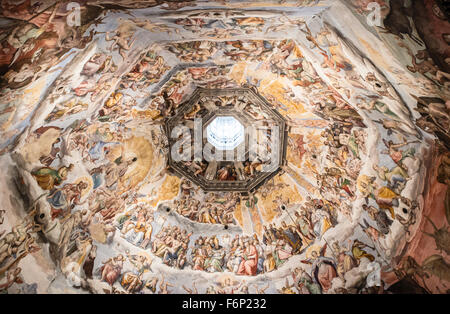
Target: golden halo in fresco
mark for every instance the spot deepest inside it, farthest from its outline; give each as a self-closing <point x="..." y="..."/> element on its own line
<point x="88" y="181"/>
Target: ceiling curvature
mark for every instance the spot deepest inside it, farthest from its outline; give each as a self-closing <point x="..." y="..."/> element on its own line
<point x="92" y="116"/>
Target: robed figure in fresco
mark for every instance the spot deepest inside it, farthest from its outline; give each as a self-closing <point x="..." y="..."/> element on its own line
<point x="47" y="178"/>
<point x="249" y="262"/>
<point x="323" y="269"/>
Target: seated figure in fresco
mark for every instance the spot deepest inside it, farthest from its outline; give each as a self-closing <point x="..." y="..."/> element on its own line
<point x="304" y="225"/>
<point x="227" y="173"/>
<point x="159" y="243"/>
<point x="125" y="219"/>
<point x="235" y="255"/>
<point x="205" y="215"/>
<point x="268" y="236"/>
<point x="249" y="263"/>
<point x="199" y="254"/>
<point x="269" y="263"/>
<point x="139" y="233"/>
<point x="321" y="222"/>
<point x="172" y="252"/>
<point x="116" y="170"/>
<point x="323" y="268"/>
<point x="215" y="256"/>
<point x="198" y="260"/>
<point x="281" y="252"/>
<point x="132" y="280"/>
<point x="181" y="262"/>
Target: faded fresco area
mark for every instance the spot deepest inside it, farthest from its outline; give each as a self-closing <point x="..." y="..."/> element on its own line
<point x="91" y="202"/>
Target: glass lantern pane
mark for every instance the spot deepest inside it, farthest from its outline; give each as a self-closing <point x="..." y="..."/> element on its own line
<point x="225" y="133"/>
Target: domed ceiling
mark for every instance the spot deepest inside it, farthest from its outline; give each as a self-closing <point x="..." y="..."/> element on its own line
<point x="129" y="131"/>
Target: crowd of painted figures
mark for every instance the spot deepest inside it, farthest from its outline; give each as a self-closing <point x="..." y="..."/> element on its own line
<point x="211" y="209"/>
<point x="242" y="255"/>
<point x="246" y="255"/>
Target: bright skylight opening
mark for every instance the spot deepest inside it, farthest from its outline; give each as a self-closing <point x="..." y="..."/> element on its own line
<point x="225" y="133"/>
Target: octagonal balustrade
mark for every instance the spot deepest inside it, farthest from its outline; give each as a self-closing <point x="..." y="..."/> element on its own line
<point x="232" y="139"/>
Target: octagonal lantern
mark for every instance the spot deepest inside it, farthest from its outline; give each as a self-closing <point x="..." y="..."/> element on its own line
<point x="226" y="139"/>
<point x="225" y="133"/>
